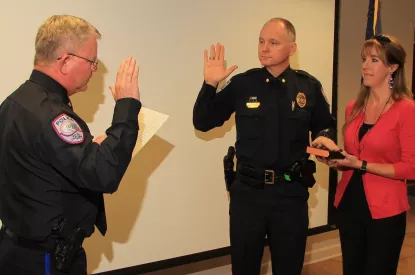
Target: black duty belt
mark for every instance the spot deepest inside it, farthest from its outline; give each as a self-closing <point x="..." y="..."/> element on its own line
<point x="46" y="246"/>
<point x="258" y="177"/>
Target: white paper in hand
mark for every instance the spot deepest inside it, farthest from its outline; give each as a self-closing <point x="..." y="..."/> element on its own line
<point x="150" y="122"/>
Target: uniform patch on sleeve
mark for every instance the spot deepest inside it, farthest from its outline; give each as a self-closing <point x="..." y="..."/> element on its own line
<point x="68" y="129"/>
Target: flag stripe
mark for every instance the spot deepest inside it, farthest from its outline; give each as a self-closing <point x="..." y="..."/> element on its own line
<point x="373" y="19"/>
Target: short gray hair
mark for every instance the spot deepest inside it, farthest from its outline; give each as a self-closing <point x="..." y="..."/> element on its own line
<point x="61" y="32"/>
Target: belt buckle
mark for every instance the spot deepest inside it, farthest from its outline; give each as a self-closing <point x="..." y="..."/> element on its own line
<point x="269" y="176"/>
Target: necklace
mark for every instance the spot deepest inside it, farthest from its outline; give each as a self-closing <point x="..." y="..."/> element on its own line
<point x="360" y="148"/>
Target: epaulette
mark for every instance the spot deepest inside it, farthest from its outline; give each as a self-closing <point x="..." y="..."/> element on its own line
<point x="252" y="71"/>
<point x="309" y="76"/>
<point x="304" y="73"/>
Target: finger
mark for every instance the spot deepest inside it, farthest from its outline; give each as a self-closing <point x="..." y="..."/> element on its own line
<point x="122" y="72"/>
<point x="205" y="56"/>
<point x="126" y="76"/>
<point x="341" y="162"/>
<point x="320" y="159"/>
<point x="134" y="80"/>
<point x="124" y="69"/>
<point x="130" y="69"/>
<point x="230" y="70"/>
<point x="135" y="73"/>
<point x="333" y="162"/>
<point x="212" y="52"/>
<point x="216" y="51"/>
<point x="316" y="143"/>
<point x="344" y="153"/>
<point x="112" y="89"/>
<point x="119" y="71"/>
<point x="219" y="53"/>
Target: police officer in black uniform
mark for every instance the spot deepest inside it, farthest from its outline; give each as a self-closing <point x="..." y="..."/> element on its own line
<point x="275" y="109"/>
<point x="53" y="173"/>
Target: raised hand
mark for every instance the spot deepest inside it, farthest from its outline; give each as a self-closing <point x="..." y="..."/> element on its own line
<point x="126" y="84"/>
<point x="214" y="65"/>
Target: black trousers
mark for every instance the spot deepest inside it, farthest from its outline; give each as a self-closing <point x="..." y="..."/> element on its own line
<point x="255" y="214"/>
<point x="17" y="260"/>
<point x="371" y="247"/>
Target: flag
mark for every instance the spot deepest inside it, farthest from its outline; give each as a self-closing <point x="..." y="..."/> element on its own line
<point x="373" y="26"/>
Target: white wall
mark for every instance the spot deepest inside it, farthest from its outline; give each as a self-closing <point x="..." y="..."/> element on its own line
<point x="172" y="200"/>
<point x="398" y="19"/>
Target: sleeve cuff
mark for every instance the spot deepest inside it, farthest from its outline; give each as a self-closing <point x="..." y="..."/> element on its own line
<point x="326" y="133"/>
<point x="126" y="109"/>
<point x="208" y="90"/>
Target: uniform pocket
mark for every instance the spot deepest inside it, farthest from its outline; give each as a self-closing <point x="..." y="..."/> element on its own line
<point x="250" y="126"/>
<point x="250" y="133"/>
<point x="299" y="123"/>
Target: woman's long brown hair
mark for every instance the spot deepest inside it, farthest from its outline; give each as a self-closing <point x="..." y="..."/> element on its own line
<point x="390" y="53"/>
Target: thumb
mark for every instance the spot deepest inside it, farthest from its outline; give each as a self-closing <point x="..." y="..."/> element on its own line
<point x="344" y="153"/>
<point x="112" y="88"/>
<point x="230" y="70"/>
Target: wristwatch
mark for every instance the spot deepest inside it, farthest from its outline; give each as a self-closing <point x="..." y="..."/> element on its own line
<point x="364" y="166"/>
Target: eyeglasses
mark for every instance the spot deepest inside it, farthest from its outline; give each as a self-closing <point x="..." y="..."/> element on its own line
<point x="382" y="39"/>
<point x="93" y="63"/>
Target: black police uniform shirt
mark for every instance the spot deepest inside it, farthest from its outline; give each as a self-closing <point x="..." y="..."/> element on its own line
<point x="273" y="115"/>
<point x="50" y="168"/>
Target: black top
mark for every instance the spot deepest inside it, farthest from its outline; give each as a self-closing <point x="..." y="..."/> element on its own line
<point x="49" y="166"/>
<point x="273" y="115"/>
<point x="354" y="201"/>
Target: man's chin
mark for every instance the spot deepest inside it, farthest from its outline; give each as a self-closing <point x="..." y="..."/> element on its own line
<point x="83" y="88"/>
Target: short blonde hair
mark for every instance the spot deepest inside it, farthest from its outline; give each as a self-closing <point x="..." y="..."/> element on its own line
<point x="289" y="27"/>
<point x="61" y="32"/>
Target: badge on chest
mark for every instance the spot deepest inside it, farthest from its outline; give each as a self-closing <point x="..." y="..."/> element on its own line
<point x="253" y="102"/>
<point x="301" y="100"/>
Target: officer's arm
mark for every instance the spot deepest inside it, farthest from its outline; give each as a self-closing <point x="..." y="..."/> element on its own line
<point x="88" y="164"/>
<point x="213" y="109"/>
<point x="322" y="122"/>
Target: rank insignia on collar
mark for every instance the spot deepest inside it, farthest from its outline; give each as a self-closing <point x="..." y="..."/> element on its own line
<point x="301" y="100"/>
<point x="253" y="102"/>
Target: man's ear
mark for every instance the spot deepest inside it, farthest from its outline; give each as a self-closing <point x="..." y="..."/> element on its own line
<point x="63" y="63"/>
<point x="293" y="48"/>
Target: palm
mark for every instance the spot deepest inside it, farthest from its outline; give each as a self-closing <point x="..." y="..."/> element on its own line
<point x="350" y="161"/>
<point x="214" y="66"/>
<point x="214" y="71"/>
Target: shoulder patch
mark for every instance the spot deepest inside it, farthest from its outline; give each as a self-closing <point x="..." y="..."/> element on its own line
<point x="68" y="129"/>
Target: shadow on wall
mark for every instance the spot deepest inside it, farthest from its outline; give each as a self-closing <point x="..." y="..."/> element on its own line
<point x="86" y="104"/>
<point x="124" y="206"/>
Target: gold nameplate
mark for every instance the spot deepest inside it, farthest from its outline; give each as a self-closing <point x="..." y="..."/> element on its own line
<point x="253" y="102"/>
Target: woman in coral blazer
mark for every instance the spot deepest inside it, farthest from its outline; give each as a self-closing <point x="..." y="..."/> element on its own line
<point x="379" y="149"/>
